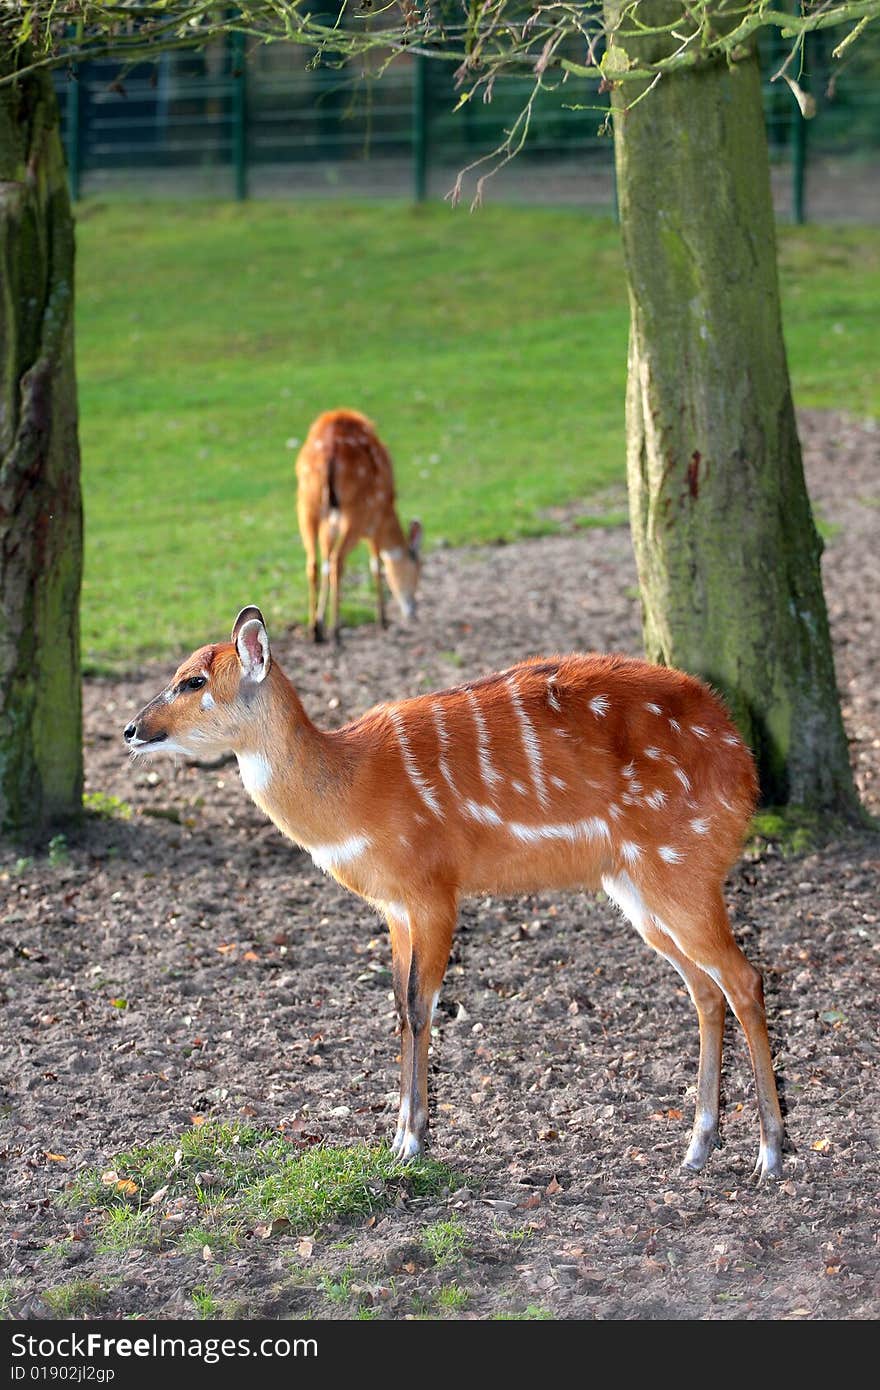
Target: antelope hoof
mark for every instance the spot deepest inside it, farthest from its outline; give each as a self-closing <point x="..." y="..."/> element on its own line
<point x="768" y="1167"/>
<point x="318" y="631"/>
<point x="407" y="1147"/>
<point x="699" y="1150"/>
<point x="337" y="636"/>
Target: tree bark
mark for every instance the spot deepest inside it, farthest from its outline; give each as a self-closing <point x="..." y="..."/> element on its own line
<point x="40" y="508"/>
<point x="727" y="552"/>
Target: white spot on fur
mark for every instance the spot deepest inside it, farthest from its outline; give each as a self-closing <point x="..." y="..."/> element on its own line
<point x="653" y="753"/>
<point x="398" y="911"/>
<point x="485" y="814"/>
<point x="615" y="811"/>
<point x="674" y="724"/>
<point x="443" y="741"/>
<point x="672" y="856"/>
<point x="256" y="771"/>
<point x="600" y="705"/>
<point x="333" y="856"/>
<point x="559" y="782"/>
<point x="629" y="770"/>
<point x="700" y="825"/>
<point x="519" y="788"/>
<point x="325" y="566"/>
<point x="683" y="778"/>
<point x="699" y="731"/>
<point x="170" y="696"/>
<point x="392" y="555"/>
<point x="729" y="738"/>
<point x="530" y="741"/>
<point x="593" y="828"/>
<point x="725" y="803"/>
<point x="422" y="786"/>
<point x="207" y="700"/>
<point x="652" y="708"/>
<point x="656" y="799"/>
<point x="625" y="895"/>
<point x="489" y="774"/>
<point x="630" y="852"/>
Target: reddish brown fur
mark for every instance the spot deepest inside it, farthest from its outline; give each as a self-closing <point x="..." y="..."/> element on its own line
<point x="345" y="494"/>
<point x="421" y="802"/>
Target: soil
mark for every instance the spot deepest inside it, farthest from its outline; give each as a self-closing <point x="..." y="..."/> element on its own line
<point x="565" y="1053"/>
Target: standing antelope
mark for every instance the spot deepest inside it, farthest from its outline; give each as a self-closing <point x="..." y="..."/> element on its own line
<point x="345" y="494"/>
<point x="578" y="771"/>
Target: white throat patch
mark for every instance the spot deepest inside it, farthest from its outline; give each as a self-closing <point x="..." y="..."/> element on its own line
<point x="256" y="771"/>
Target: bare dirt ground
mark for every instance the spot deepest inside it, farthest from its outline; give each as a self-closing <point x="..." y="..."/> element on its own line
<point x="565" y="1053"/>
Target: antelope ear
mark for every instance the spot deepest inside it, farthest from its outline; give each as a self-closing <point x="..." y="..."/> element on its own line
<point x="415" y="538"/>
<point x="246" y="613"/>
<point x="252" y="645"/>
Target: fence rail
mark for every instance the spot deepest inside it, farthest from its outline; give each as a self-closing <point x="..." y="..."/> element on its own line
<point x="259" y="122"/>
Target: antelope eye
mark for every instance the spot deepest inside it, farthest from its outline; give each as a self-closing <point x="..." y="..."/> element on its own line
<point x="195" y="683"/>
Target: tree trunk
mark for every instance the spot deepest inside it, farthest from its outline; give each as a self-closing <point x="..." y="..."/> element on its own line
<point x="727" y="552"/>
<point x="40" y="508"/>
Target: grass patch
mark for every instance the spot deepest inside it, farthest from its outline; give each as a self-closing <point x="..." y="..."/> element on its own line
<point x="530" y="1314"/>
<point x="106" y="806"/>
<point x="205" y="372"/>
<point x="444" y="1240"/>
<point x="451" y="1298"/>
<point x="326" y="1184"/>
<point x="205" y="1304"/>
<point x="125" y="1228"/>
<point x="336" y="1289"/>
<point x="224" y="1179"/>
<point x="792" y="830"/>
<point x="79" y="1296"/>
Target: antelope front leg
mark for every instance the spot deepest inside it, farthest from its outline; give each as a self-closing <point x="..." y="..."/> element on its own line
<point x="376" y="567"/>
<point x="398" y="926"/>
<point x="430" y="940"/>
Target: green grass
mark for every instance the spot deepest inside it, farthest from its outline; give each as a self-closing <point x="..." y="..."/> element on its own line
<point x="204" y="1302"/>
<point x="490" y="350"/>
<point x="256" y="1179"/>
<point x="451" y="1298"/>
<point x="79" y="1296"/>
<point x="530" y="1314"/>
<point x="444" y="1240"/>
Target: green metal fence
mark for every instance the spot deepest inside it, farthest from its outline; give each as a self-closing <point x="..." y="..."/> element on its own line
<point x="251" y="121"/>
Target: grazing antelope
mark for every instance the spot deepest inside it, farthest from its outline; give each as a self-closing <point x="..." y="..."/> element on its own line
<point x="572" y="772"/>
<point x="345" y="494"/>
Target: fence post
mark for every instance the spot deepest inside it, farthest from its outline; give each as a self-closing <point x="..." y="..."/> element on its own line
<point x="239" y="115"/>
<point x="420" y="130"/>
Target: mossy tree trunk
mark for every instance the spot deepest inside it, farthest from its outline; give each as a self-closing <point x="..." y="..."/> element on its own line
<point x="727" y="552"/>
<point x="40" y="507"/>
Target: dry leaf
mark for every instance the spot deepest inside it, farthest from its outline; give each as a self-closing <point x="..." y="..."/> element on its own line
<point x="553" y="1186"/>
<point x="197" y="1120"/>
<point x="305" y="1248"/>
<point x="673" y="1114"/>
<point x="127" y="1187"/>
<point x="110" y="1179"/>
<point x="157" y="1196"/>
<point x="250" y="955"/>
<point x="822" y="1145"/>
<point x="206" y="1254"/>
<point x="56" y="1158"/>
